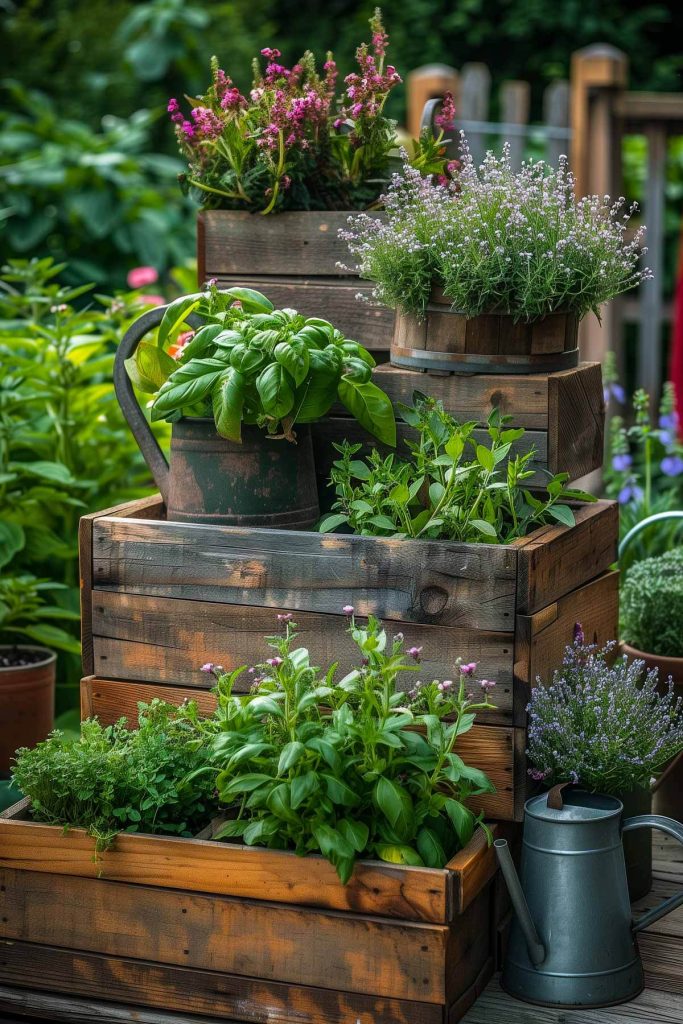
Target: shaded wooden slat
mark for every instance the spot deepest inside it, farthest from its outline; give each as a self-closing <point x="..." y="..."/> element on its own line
<point x="333" y="299"/>
<point x="576" y="418"/>
<point x="540" y="639"/>
<point x="141" y="637"/>
<point x="515" y="99"/>
<point x="556" y="559"/>
<point x="489" y="747"/>
<point x="230" y="869"/>
<point x="252" y="939"/>
<point x="475" y="396"/>
<point x="556" y="115"/>
<point x="182" y="990"/>
<point x="473" y="868"/>
<point x="437" y="582"/>
<point x="307" y="244"/>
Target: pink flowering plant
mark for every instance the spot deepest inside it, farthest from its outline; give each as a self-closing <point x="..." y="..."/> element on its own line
<point x="348" y="769"/>
<point x="292" y="143"/>
<point x="496" y="241"/>
<point x="602" y="722"/>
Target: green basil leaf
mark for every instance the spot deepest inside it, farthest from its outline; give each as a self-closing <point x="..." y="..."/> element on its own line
<point x="203" y="340"/>
<point x="11" y="541"/>
<point x="275" y="391"/>
<point x="395" y="804"/>
<point x="252" y="301"/>
<point x="462" y="819"/>
<point x="290" y="754"/>
<point x="394" y="853"/>
<point x="332" y="843"/>
<point x="279" y="803"/>
<point x="175" y="314"/>
<point x="150" y="367"/>
<point x="293" y="355"/>
<point x="371" y="407"/>
<point x="246" y="359"/>
<point x="430" y="849"/>
<point x="339" y="792"/>
<point x="487" y="529"/>
<point x="186" y="385"/>
<point x="331" y="522"/>
<point x="356" y="832"/>
<point x="563" y="514"/>
<point x="302" y="787"/>
<point x="485" y="457"/>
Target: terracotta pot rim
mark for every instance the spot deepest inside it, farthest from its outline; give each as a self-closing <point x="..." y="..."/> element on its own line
<point x="635" y="652"/>
<point x="48" y="659"/>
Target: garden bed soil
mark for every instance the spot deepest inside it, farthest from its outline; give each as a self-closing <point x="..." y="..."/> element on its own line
<point x="156" y="918"/>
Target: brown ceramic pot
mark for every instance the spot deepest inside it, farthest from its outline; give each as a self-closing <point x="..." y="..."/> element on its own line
<point x="667" y="791"/>
<point x="27" y="703"/>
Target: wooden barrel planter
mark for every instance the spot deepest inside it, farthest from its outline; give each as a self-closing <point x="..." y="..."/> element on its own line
<point x="294" y="258"/>
<point x="193" y="926"/>
<point x="447" y="340"/>
<point x="27" y="700"/>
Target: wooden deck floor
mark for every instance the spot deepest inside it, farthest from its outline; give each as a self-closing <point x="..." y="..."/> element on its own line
<point x="661" y="947"/>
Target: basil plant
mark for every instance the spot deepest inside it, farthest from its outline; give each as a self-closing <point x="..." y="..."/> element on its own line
<point x="251" y="363"/>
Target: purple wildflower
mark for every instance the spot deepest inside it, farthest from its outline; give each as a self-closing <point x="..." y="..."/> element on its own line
<point x="630" y="493"/>
<point x="285" y="617"/>
<point x="486" y="684"/>
<point x="274" y="662"/>
<point x="469" y="669"/>
<point x="622" y="462"/>
<point x="579" y="637"/>
<point x="208" y="667"/>
<point x="415" y="652"/>
<point x="672" y="465"/>
<point x="348" y="609"/>
<point x="445" y="119"/>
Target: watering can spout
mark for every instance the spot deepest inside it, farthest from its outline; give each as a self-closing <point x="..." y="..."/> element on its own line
<point x="536" y="949"/>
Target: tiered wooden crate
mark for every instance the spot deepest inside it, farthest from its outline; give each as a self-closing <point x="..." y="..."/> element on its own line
<point x="220" y="930"/>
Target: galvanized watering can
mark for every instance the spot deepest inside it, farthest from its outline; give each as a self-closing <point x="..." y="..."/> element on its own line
<point x="573" y="937"/>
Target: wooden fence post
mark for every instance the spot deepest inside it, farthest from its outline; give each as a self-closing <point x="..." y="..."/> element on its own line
<point x="428" y="83"/>
<point x="475" y="86"/>
<point x="556" y="118"/>
<point x="515" y="100"/>
<point x="598" y="74"/>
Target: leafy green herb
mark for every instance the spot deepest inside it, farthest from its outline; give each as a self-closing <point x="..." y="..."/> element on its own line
<point x="348" y="769"/>
<point x="251" y="363"/>
<point x="454" y="487"/>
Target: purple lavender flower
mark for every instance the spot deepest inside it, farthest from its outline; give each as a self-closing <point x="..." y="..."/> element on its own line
<point x="348" y="609"/>
<point x="579" y="637"/>
<point x="630" y="493"/>
<point x="614" y="390"/>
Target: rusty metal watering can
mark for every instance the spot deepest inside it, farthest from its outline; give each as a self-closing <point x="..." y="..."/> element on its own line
<point x="573" y="938"/>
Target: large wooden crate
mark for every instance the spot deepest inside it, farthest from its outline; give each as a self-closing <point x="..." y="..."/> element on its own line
<point x="160" y="598"/>
<point x="183" y="924"/>
<point x="294" y="259"/>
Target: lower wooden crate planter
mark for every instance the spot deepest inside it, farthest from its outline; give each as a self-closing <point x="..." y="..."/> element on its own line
<point x="183" y="924"/>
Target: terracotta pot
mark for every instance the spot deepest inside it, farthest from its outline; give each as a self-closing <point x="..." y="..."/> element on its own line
<point x="667" y="790"/>
<point x="27" y="702"/>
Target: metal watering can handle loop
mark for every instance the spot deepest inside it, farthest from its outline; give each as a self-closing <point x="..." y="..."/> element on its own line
<point x="672" y="828"/>
<point x="134" y="416"/>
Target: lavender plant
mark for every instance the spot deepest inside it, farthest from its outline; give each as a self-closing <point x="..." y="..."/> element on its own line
<point x="347" y="768"/>
<point x="602" y="722"/>
<point x="292" y="144"/>
<point x="651" y="604"/>
<point x="497" y="240"/>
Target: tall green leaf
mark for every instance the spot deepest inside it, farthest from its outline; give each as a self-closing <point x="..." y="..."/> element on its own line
<point x="187" y="385"/>
<point x="371" y="407"/>
<point x="176" y="313"/>
<point x="275" y="391"/>
<point x="228" y="401"/>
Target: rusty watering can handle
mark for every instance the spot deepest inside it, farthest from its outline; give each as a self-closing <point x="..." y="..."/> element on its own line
<point x="135" y="418"/>
<point x="672" y="828"/>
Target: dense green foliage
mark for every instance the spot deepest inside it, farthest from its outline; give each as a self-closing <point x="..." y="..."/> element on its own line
<point x="454" y="487"/>
<point x="348" y="769"/>
<point x="651" y="605"/>
<point x="114" y="779"/>
<point x="251" y="363"/>
<point x="64" y="447"/>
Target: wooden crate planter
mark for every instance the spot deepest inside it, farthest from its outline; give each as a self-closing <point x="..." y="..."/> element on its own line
<point x="489" y="343"/>
<point x="294" y="259"/>
<point x="161" y="598"/>
<point x="562" y="413"/>
<point x="182" y="923"/>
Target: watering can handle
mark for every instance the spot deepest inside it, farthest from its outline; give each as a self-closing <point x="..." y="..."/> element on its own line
<point x="672" y="828"/>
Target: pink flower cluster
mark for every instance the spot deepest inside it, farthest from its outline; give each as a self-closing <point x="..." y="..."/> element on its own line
<point x="367" y="89"/>
<point x="295" y="113"/>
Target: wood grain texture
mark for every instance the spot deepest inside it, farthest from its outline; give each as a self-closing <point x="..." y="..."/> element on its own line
<point x="165" y="641"/>
<point x="230" y="869"/>
<point x="435" y="582"/>
<point x="489" y="747"/>
<point x="540" y="639"/>
<point x="576" y="416"/>
<point x="333" y="299"/>
<point x="302" y="243"/>
<point x="180" y="990"/>
<point x="253" y="939"/>
<point x="650" y="1007"/>
<point x="474" y="396"/>
<point x="473" y="868"/>
<point x="557" y="559"/>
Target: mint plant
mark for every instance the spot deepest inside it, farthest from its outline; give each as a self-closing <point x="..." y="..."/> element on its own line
<point x="250" y="363"/>
<point x="454" y="487"/>
<point x="348" y="769"/>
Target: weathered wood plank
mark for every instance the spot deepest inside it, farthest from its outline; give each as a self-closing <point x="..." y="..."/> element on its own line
<point x="435" y="582"/>
<point x="576" y="417"/>
<point x="489" y="747"/>
<point x="239" y="243"/>
<point x="177" y="990"/>
<point x="333" y="299"/>
<point x="473" y="868"/>
<point x="650" y="1007"/>
<point x="253" y="939"/>
<point x="540" y="639"/>
<point x="166" y="641"/>
<point x="230" y="869"/>
<point x="556" y="559"/>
